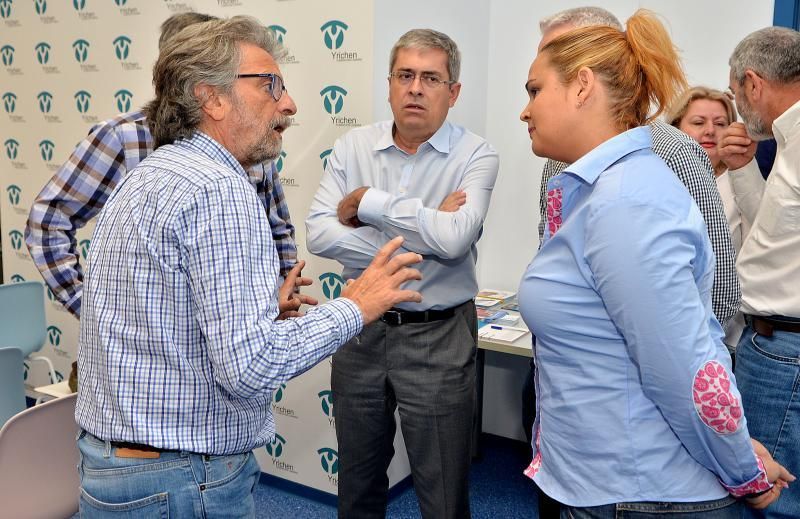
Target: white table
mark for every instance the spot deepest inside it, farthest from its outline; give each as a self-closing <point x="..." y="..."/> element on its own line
<point x="54" y="390"/>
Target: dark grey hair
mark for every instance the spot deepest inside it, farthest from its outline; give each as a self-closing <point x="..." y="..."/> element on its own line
<point x="580" y="17"/>
<point x="429" y="39"/>
<point x="773" y="53"/>
<point x="203" y="53"/>
<point x="177" y="22"/>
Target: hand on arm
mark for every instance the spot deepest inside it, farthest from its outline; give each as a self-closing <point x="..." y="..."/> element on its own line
<point x="347" y="210"/>
<point x="453" y="202"/>
<point x="736" y="148"/>
<point x="289" y="297"/>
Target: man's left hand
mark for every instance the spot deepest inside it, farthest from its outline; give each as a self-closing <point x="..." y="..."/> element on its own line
<point x="289" y="297"/>
<point x="347" y="211"/>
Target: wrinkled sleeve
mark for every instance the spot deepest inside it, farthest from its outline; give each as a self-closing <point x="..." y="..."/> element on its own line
<point x="748" y="189"/>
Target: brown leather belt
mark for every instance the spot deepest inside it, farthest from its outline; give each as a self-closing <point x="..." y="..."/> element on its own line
<point x="766" y="326"/>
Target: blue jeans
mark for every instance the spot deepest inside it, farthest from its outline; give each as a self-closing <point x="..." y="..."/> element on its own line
<point x="177" y="484"/>
<point x="768" y="376"/>
<point x="725" y="508"/>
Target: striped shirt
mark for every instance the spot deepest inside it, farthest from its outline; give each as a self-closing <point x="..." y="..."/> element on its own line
<point x="691" y="165"/>
<point x="80" y="188"/>
<point x="179" y="347"/>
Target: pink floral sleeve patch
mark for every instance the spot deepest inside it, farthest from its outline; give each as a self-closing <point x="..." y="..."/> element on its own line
<point x="554" y="210"/>
<point x="715" y="404"/>
<point x="758" y="484"/>
<point x="536" y="463"/>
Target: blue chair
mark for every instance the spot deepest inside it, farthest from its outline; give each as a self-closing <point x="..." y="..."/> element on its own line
<point x="12" y="387"/>
<point x="22" y="322"/>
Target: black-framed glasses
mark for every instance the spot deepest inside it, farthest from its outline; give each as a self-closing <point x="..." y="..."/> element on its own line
<point x="428" y="79"/>
<point x="275" y="87"/>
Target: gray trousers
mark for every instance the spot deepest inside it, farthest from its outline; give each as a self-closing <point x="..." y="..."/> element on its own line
<point x="427" y="371"/>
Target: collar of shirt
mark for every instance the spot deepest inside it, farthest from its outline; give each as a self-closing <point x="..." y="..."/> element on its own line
<point x="786" y="125"/>
<point x="602" y="157"/>
<point x="204" y="144"/>
<point x="440" y="141"/>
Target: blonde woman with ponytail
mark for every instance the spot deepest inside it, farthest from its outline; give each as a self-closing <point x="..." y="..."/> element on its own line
<point x="638" y="413"/>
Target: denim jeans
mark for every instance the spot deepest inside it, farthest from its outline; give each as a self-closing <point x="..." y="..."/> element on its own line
<point x="725" y="508"/>
<point x="177" y="484"/>
<point x="768" y="376"/>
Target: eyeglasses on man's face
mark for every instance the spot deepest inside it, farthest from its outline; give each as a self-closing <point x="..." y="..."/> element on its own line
<point x="428" y="79"/>
<point x="275" y="87"/>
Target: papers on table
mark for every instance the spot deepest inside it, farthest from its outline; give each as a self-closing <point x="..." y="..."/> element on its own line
<point x="494" y="332"/>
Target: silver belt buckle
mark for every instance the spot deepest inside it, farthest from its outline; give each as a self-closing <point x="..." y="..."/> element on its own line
<point x="398" y="317"/>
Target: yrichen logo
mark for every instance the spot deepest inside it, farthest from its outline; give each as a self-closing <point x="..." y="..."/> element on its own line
<point x="279" y="31"/>
<point x="46" y="149"/>
<point x="5" y="8"/>
<point x="278" y="396"/>
<point x="54" y="336"/>
<point x="12" y="148"/>
<point x="333" y="33"/>
<point x="279" y="162"/>
<point x="333" y="98"/>
<point x="324" y="157"/>
<point x="43" y="52"/>
<point x="326" y="402"/>
<point x="82" y="98"/>
<point x="331" y="284"/>
<point x="7" y="54"/>
<point x="120" y="3"/>
<point x="10" y="102"/>
<point x="50" y="295"/>
<point x="45" y="101"/>
<point x="329" y="459"/>
<point x="14" y="193"/>
<point x="122" y="46"/>
<point x="59" y="378"/>
<point x="16" y="239"/>
<point x="40" y="6"/>
<point x="16" y="278"/>
<point x="123" y="98"/>
<point x="81" y="49"/>
<point x="84" y="247"/>
<point x="79" y="4"/>
<point x="275" y="447"/>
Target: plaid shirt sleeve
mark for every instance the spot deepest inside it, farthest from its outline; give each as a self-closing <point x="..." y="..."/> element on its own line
<point x="270" y="191"/>
<point x="74" y="195"/>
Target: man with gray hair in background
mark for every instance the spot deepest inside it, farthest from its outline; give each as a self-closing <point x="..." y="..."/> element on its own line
<point x="423" y="178"/>
<point x="765" y="79"/>
<point x="691" y="165"/>
<point x="180" y="350"/>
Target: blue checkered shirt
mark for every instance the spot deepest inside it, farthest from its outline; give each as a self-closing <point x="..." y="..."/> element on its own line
<point x="80" y="188"/>
<point x="179" y="346"/>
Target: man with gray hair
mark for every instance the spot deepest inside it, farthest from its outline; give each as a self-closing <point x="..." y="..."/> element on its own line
<point x="429" y="181"/>
<point x="765" y="79"/>
<point x="180" y="349"/>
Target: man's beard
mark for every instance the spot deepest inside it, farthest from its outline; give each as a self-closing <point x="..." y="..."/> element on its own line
<point x="268" y="146"/>
<point x="756" y="127"/>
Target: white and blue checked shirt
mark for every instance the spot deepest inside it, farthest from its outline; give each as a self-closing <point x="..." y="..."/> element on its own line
<point x="179" y="347"/>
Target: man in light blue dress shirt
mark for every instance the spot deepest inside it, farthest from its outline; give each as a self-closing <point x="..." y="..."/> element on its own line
<point x="180" y="349"/>
<point x="429" y="181"/>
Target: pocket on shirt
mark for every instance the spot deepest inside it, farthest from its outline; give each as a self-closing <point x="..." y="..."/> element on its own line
<point x="781" y="216"/>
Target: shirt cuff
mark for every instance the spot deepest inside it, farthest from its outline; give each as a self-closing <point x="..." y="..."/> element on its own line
<point x="758" y="484"/>
<point x="347" y="315"/>
<point x="745" y="179"/>
<point x="371" y="208"/>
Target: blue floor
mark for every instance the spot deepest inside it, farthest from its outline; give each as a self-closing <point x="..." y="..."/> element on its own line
<point x="497" y="489"/>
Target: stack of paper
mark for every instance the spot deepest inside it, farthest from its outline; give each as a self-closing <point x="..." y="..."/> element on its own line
<point x="488" y="298"/>
<point x="498" y="333"/>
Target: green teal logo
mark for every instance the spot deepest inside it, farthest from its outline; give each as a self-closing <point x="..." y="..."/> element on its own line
<point x="50" y="295"/>
<point x="120" y="3"/>
<point x="42" y="52"/>
<point x="333" y="98"/>
<point x="46" y="149"/>
<point x="7" y="54"/>
<point x="10" y="102"/>
<point x="14" y="193"/>
<point x="12" y="148"/>
<point x="40" y="6"/>
<point x="279" y="162"/>
<point x="122" y="46"/>
<point x="123" y="98"/>
<point x="331" y="284"/>
<point x="59" y="378"/>
<point x="83" y="246"/>
<point x="16" y="278"/>
<point x="333" y="33"/>
<point x="79" y="4"/>
<point x="81" y="50"/>
<point x="82" y="98"/>
<point x="326" y="401"/>
<point x="16" y="239"/>
<point x="275" y="447"/>
<point x="324" y="157"/>
<point x="54" y="336"/>
<point x="279" y="31"/>
<point x="45" y="101"/>
<point x="329" y="459"/>
<point x="5" y="8"/>
<point x="278" y="396"/>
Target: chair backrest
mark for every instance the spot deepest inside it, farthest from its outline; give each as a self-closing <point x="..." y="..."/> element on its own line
<point x="12" y="385"/>
<point x="22" y="321"/>
<point x="39" y="460"/>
